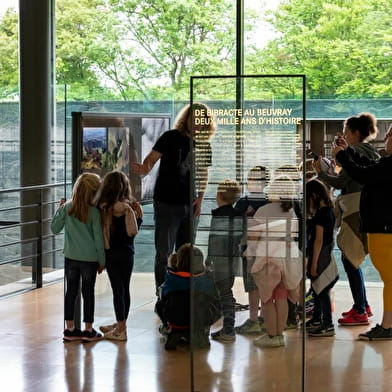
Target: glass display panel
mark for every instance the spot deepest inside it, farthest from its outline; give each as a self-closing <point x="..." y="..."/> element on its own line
<point x="250" y="233"/>
<point x="112" y="141"/>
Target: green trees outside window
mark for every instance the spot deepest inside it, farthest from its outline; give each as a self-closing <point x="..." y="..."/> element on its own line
<point x="148" y="49"/>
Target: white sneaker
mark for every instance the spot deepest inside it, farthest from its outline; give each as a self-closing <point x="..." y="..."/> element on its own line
<point x="115" y="335"/>
<point x="267" y="341"/>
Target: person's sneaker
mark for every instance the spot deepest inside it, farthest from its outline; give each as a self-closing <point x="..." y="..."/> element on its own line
<point x="309" y="311"/>
<point x="107" y="328"/>
<point x="114" y="334"/>
<point x="369" y="311"/>
<point x="71" y="336"/>
<point x="352" y="310"/>
<point x="309" y="302"/>
<point x="291" y="325"/>
<point x="91" y="336"/>
<point x="267" y="341"/>
<point x="323" y="330"/>
<point x="262" y="323"/>
<point x="377" y="333"/>
<point x="249" y="327"/>
<point x="354" y="318"/>
<point x="164" y="329"/>
<point x="172" y="340"/>
<point x="225" y="335"/>
<point x="312" y="324"/>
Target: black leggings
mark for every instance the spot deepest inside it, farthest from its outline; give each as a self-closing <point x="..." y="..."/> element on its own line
<point x="119" y="266"/>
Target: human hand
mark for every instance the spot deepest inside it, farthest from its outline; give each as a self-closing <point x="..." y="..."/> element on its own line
<point x="136" y="167"/>
<point x="336" y="148"/>
<point x="137" y="208"/>
<point x="62" y="201"/>
<point x="101" y="268"/>
<point x="313" y="270"/>
<point x="197" y="206"/>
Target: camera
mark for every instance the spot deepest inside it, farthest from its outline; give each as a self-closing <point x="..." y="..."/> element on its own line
<point x="313" y="155"/>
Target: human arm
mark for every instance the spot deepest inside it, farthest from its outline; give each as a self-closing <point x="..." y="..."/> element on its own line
<point x="317" y="245"/>
<point x="131" y="222"/>
<point x="336" y="181"/>
<point x="58" y="220"/>
<point x="364" y="170"/>
<point x="148" y="163"/>
<point x="98" y="237"/>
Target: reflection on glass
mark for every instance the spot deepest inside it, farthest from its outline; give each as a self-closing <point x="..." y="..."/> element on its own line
<point x="258" y="144"/>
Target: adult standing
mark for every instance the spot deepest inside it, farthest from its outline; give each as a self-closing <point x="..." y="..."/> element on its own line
<point x="376" y="219"/>
<point x="357" y="131"/>
<point x="172" y="192"/>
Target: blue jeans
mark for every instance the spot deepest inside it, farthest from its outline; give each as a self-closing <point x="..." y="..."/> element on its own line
<point x="74" y="270"/>
<point x="357" y="286"/>
<point x="119" y="266"/>
<point x="172" y="229"/>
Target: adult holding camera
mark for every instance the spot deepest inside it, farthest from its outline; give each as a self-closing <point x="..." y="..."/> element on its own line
<point x="172" y="188"/>
<point x="376" y="218"/>
<point x="357" y="131"/>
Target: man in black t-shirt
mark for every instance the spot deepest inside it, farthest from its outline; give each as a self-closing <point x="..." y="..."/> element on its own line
<point x="173" y="193"/>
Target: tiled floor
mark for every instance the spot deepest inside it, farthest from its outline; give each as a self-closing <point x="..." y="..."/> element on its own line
<point x="33" y="357"/>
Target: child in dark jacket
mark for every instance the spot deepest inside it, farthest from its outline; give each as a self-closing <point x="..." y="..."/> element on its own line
<point x="224" y="253"/>
<point x="187" y="284"/>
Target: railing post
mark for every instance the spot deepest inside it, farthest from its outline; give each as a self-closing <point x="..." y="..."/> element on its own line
<point x="39" y="242"/>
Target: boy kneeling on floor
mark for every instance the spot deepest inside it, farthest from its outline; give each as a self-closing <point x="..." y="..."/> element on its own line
<point x="186" y="268"/>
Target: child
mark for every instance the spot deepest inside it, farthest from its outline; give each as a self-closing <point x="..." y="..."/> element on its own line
<point x="121" y="219"/>
<point x="224" y="253"/>
<point x="321" y="266"/>
<point x="277" y="269"/>
<point x="173" y="305"/>
<point x="248" y="205"/>
<point x="83" y="251"/>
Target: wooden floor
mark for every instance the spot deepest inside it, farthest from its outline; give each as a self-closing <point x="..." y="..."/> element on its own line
<point x="34" y="358"/>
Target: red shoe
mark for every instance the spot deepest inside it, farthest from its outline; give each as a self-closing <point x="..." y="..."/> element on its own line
<point x="369" y="311"/>
<point x="349" y="312"/>
<point x="354" y="319"/>
<point x="352" y="310"/>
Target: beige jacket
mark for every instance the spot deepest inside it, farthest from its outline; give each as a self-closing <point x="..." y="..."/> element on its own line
<point x="349" y="239"/>
<point x="119" y="209"/>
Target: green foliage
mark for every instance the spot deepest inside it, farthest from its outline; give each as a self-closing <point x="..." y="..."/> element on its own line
<point x="9" y="55"/>
<point x="148" y="49"/>
<point x="343" y="46"/>
<point x="142" y="49"/>
<point x="167" y="41"/>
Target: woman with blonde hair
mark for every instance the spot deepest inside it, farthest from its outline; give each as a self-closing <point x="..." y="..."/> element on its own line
<point x="173" y="188"/>
<point x="83" y="251"/>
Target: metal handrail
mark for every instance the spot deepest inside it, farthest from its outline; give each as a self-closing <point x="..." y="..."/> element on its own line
<point x="38" y="225"/>
<point x="33" y="187"/>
